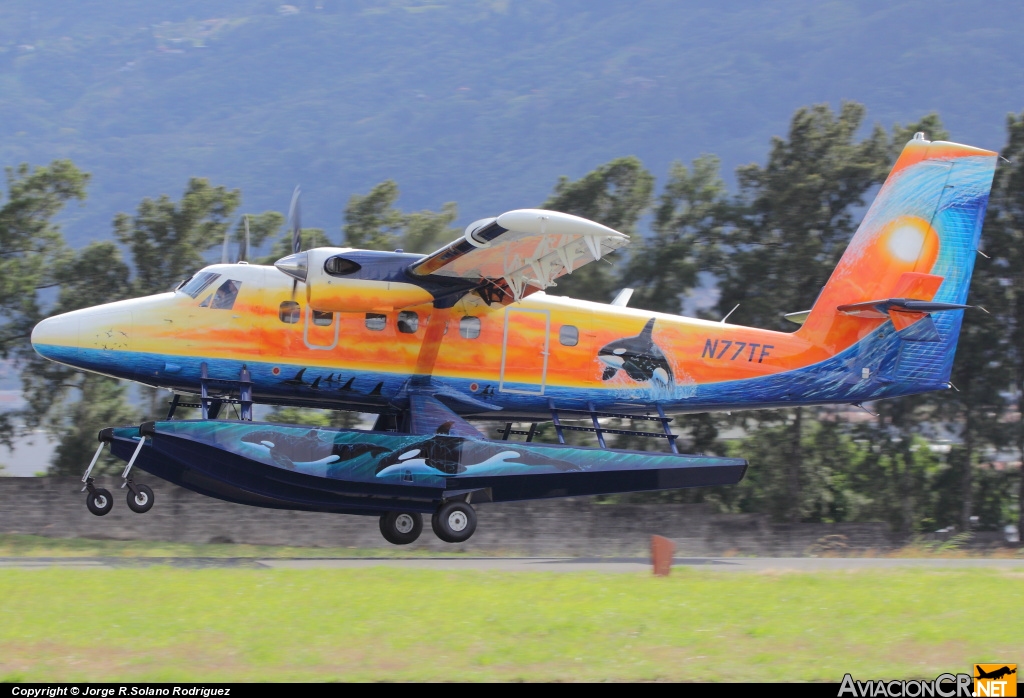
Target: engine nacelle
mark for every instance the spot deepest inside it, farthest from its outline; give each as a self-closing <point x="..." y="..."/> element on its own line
<point x="344" y="280"/>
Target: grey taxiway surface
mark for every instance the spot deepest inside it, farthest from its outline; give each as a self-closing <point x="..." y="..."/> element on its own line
<point x="729" y="564"/>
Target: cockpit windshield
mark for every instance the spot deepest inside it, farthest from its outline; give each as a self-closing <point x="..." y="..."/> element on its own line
<point x="198" y="283"/>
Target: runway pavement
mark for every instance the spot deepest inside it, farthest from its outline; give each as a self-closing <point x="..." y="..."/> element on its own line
<point x="521" y="564"/>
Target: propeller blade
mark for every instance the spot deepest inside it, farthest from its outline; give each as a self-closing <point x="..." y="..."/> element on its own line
<point x="243" y="244"/>
<point x="224" y="249"/>
<point x="295" y="221"/>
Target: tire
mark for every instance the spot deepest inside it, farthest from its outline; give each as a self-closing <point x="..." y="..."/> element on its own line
<point x="438" y="531"/>
<point x="141" y="500"/>
<point x="401" y="527"/>
<point x="99" y="502"/>
<point x="454" y="522"/>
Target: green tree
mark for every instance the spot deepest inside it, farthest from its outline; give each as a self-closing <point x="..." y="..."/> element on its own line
<point x="688" y="221"/>
<point x="32" y="250"/>
<point x="797" y="212"/>
<point x="373" y="222"/>
<point x="167" y="239"/>
<point x="261" y="226"/>
<point x="615" y="194"/>
<point x="1003" y="241"/>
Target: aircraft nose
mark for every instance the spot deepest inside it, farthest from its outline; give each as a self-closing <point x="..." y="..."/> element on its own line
<point x="56" y="338"/>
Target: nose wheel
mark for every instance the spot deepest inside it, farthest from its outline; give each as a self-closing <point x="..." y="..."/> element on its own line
<point x="99" y="501"/>
<point x="140" y="497"/>
<point x="454" y="522"/>
<point x="401" y="528"/>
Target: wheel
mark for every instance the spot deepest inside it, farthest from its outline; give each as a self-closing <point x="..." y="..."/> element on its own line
<point x="401" y="527"/>
<point x="99" y="502"/>
<point x="454" y="522"/>
<point x="141" y="500"/>
<point x="438" y="531"/>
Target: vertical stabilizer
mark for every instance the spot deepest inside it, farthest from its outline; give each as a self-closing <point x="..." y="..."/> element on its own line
<point x="918" y="241"/>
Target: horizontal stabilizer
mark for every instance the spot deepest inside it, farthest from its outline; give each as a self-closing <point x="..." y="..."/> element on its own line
<point x="882" y="308"/>
<point x="911" y="318"/>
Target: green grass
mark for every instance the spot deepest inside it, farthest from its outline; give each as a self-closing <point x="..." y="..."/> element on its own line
<point x="164" y="624"/>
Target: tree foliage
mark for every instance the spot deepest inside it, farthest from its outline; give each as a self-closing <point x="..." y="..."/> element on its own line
<point x="167" y="239"/>
<point x="373" y="222"/>
<point x="615" y="194"/>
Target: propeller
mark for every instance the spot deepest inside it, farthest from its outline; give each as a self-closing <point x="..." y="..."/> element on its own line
<point x="295" y="219"/>
<point x="224" y="248"/>
<point x="295" y="265"/>
<point x="243" y="244"/>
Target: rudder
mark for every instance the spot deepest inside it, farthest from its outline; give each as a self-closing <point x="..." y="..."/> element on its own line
<point x="917" y="242"/>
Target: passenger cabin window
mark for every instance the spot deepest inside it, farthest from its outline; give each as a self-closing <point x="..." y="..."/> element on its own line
<point x="408" y="322"/>
<point x="290" y="312"/>
<point x="224" y="298"/>
<point x="323" y="319"/>
<point x="568" y="336"/>
<point x="469" y="327"/>
<point x="198" y="283"/>
<point x="376" y="322"/>
<point x="339" y="266"/>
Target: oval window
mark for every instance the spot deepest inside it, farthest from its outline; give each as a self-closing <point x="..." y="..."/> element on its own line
<point x="323" y="319"/>
<point x="339" y="266"/>
<point x="408" y="322"/>
<point x="469" y="327"/>
<point x="568" y="336"/>
<point x="376" y="322"/>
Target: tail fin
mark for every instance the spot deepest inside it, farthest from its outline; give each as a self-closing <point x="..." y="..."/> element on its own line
<point x="917" y="242"/>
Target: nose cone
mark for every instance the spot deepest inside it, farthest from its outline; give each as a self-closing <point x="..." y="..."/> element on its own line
<point x="294" y="265"/>
<point x="56" y="338"/>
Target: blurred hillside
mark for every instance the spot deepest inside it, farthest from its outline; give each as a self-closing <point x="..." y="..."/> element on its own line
<point x="482" y="102"/>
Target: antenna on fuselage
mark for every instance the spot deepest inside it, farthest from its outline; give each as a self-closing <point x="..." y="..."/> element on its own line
<point x="729" y="313"/>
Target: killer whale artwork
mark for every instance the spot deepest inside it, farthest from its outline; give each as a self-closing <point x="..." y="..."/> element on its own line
<point x="288" y="449"/>
<point x="639" y="357"/>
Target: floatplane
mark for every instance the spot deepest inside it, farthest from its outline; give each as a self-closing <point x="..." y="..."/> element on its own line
<point x="444" y="347"/>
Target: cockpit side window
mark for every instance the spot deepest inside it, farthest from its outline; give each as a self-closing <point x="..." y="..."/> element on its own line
<point x="224" y="298"/>
<point x="198" y="283"/>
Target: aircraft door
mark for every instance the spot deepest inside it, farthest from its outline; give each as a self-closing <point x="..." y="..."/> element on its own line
<point x="525" y="351"/>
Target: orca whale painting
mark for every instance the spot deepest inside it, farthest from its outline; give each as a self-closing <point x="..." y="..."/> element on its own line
<point x="290" y="449"/>
<point x="639" y="357"/>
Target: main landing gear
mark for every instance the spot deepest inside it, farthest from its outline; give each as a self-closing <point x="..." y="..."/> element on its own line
<point x="453" y="522"/>
<point x="99" y="500"/>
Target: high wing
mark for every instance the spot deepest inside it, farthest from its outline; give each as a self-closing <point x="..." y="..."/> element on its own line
<point x="521" y="251"/>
